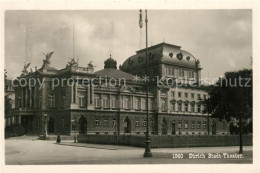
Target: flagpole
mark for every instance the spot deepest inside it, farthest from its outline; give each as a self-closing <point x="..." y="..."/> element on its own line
<point x="147" y="152"/>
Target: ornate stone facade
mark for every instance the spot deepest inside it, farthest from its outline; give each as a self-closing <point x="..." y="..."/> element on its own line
<point x="102" y="108"/>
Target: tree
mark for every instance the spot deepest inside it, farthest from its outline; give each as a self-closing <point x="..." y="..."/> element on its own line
<point x="231" y="98"/>
<point x="8" y="105"/>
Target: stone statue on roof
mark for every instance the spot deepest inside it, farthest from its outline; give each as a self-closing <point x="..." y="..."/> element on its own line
<point x="90" y="67"/>
<point x="47" y="61"/>
<point x="25" y="67"/>
<point x="72" y="63"/>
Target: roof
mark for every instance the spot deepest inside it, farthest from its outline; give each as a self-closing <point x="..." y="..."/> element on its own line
<point x="114" y="73"/>
<point x="160" y="53"/>
<point x="156" y="46"/>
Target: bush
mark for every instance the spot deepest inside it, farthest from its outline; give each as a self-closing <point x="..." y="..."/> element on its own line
<point x="14" y="130"/>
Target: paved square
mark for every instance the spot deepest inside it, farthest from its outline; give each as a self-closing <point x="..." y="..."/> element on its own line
<point x="29" y="151"/>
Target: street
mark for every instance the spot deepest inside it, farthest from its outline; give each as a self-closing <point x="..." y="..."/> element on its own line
<point x="28" y="150"/>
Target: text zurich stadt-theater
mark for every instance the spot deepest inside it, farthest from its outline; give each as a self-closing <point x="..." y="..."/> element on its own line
<point x="101" y="107"/>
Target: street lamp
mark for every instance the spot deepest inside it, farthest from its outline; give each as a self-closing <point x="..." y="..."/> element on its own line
<point x="45" y="125"/>
<point x="74" y="128"/>
<point x="207" y="110"/>
<point x="118" y="113"/>
<point x="147" y="152"/>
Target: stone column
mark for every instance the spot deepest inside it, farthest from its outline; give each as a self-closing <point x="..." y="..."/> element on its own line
<point x="159" y="100"/>
<point x="88" y="95"/>
<point x="30" y="97"/>
<point x="19" y="119"/>
<point x="22" y="98"/>
<point x="132" y="102"/>
<point x="26" y="97"/>
<point x="101" y="100"/>
<point x="123" y="98"/>
<point x="168" y="103"/>
<point x="110" y="101"/>
<point x="35" y="99"/>
<point x="72" y="95"/>
<point x="92" y="94"/>
<point x="76" y="93"/>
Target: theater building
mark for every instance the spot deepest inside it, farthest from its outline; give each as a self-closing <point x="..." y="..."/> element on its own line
<point x="113" y="100"/>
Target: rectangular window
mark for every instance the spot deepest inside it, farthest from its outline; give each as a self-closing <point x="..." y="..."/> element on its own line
<point x="51" y="102"/>
<point x="97" y="102"/>
<point x="150" y="104"/>
<point x="143" y="104"/>
<point x="192" y="95"/>
<point x="199" y="125"/>
<point x="186" y="125"/>
<point x="81" y="101"/>
<point x="199" y="97"/>
<point x="186" y="95"/>
<point x="151" y="122"/>
<point x="81" y="98"/>
<point x="136" y="103"/>
<point x="40" y="101"/>
<point x="179" y="125"/>
<point x="144" y="123"/>
<point x="173" y="106"/>
<point x="113" y="102"/>
<point x="205" y="96"/>
<point x="97" y="122"/>
<point x="63" y="101"/>
<point x="204" y="125"/>
<point x="179" y="106"/>
<point x="137" y="123"/>
<point x="192" y="107"/>
<point x="179" y="94"/>
<point x="199" y="110"/>
<point x="192" y="124"/>
<point x="114" y="122"/>
<point x="127" y="103"/>
<point x="105" y="103"/>
<point x="173" y="94"/>
<point x="19" y="102"/>
<point x="172" y="72"/>
<point x="186" y="107"/>
<point x="163" y="104"/>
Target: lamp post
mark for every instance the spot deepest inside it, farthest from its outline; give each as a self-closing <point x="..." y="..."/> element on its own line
<point x="118" y="114"/>
<point x="208" y="111"/>
<point x="74" y="128"/>
<point x="45" y="125"/>
<point x="240" y="134"/>
<point x="147" y="152"/>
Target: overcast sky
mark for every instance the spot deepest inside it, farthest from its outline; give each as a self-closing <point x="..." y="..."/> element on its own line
<point x="220" y="39"/>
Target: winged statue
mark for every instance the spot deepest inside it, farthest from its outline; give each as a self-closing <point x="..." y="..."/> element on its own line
<point x="25" y="67"/>
<point x="47" y="61"/>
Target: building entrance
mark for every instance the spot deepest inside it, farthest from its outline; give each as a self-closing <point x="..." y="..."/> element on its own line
<point x="173" y="129"/>
<point x="26" y="122"/>
<point x="51" y="125"/>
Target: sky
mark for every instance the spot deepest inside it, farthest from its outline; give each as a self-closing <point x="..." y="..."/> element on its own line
<point x="220" y="39"/>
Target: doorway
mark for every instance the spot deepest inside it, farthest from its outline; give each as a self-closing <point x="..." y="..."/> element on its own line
<point x="164" y="126"/>
<point x="26" y="122"/>
<point x="51" y="125"/>
<point x="173" y="129"/>
<point x="128" y="125"/>
<point x="82" y="125"/>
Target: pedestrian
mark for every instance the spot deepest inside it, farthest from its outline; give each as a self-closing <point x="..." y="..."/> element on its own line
<point x="58" y="138"/>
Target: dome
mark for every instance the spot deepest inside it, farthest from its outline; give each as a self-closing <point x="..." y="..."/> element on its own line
<point x="114" y="73"/>
<point x="160" y="53"/>
<point x="110" y="63"/>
